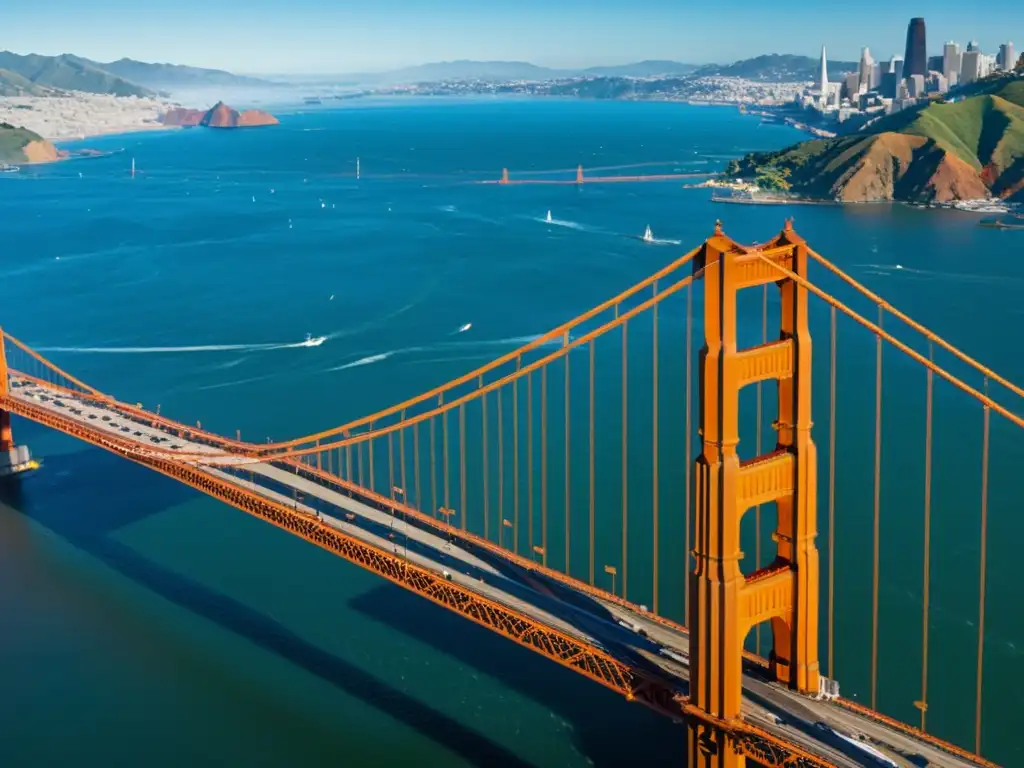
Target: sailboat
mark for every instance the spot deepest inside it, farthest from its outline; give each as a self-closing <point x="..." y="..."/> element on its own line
<point x="648" y="235"/>
<point x="548" y="219"/>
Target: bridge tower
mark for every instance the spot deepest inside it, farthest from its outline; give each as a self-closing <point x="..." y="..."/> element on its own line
<point x="14" y="459"/>
<point x="579" y="174"/>
<point x="725" y="604"/>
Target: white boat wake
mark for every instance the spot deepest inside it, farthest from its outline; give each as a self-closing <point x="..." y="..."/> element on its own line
<point x="441" y="347"/>
<point x="560" y="222"/>
<point x="309" y="341"/>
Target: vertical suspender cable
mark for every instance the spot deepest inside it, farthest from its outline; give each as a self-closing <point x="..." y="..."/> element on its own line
<point x="463" y="512"/>
<point x="487" y="468"/>
<point x="568" y="465"/>
<point x="529" y="462"/>
<point x="544" y="463"/>
<point x="654" y="451"/>
<point x="760" y="418"/>
<point x="687" y="459"/>
<point x="926" y="576"/>
<point x="982" y="573"/>
<point x="591" y="477"/>
<point x="877" y="520"/>
<point x="416" y="463"/>
<point x="625" y="456"/>
<point x="832" y="499"/>
<point x="501" y="470"/>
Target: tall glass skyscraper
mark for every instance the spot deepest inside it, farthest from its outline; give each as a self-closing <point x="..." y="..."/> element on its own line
<point x="915" y="60"/>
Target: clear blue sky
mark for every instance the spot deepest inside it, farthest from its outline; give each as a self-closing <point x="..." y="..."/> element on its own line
<point x="335" y="36"/>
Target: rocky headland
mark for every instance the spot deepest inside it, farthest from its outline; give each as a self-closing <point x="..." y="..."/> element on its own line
<point x="219" y="116"/>
<point x="20" y="146"/>
<point x="968" y="149"/>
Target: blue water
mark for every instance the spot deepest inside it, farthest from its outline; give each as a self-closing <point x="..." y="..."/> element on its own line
<point x="145" y="623"/>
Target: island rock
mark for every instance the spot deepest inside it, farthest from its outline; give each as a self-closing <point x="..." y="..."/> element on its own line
<point x="220" y="116"/>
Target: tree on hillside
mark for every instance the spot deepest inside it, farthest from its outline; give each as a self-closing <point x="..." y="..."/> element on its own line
<point x="1020" y="64"/>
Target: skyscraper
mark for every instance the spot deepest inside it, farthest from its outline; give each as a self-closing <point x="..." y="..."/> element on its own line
<point x="915" y="60"/>
<point x="951" y="62"/>
<point x="970" y="67"/>
<point x="824" y="73"/>
<point x="1007" y="57"/>
<point x="896" y="67"/>
<point x="866" y="72"/>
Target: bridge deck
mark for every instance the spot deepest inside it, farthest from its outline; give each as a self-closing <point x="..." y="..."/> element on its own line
<point x="644" y="643"/>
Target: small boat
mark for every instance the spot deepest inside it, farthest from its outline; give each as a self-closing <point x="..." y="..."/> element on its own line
<point x="548" y="219"/>
<point x="464" y="328"/>
<point x="313" y="342"/>
<point x="648" y="235"/>
<point x="899" y="266"/>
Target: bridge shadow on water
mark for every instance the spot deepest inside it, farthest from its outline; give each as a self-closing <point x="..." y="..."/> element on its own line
<point x="606" y="729"/>
<point x="82" y="510"/>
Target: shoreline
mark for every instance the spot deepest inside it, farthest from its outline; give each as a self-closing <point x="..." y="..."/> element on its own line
<point x="76" y="116"/>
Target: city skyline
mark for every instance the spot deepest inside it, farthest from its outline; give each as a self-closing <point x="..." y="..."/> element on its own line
<point x="325" y="37"/>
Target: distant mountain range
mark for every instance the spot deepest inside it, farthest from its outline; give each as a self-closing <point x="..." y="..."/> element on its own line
<point x="34" y="74"/>
<point x="503" y="71"/>
<point x="769" y="68"/>
<point x="779" y="68"/>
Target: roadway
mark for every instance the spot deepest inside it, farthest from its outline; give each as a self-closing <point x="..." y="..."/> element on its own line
<point x="626" y="634"/>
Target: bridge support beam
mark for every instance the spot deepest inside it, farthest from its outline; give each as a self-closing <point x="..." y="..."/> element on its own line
<point x="724" y="603"/>
<point x="14" y="459"/>
<point x="716" y="639"/>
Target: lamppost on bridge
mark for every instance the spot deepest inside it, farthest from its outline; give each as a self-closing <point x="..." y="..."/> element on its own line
<point x="399" y="492"/>
<point x="501" y="534"/>
<point x="612" y="571"/>
<point x="538" y="550"/>
<point x="448" y="513"/>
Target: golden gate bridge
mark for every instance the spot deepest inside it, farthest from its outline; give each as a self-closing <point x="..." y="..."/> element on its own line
<point x="466" y="493"/>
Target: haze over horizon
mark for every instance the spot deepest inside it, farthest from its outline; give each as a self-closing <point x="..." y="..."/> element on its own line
<point x="320" y="37"/>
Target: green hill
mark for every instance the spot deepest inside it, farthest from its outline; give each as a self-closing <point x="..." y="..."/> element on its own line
<point x="938" y="152"/>
<point x="13" y="142"/>
<point x="13" y="84"/>
<point x="68" y="73"/>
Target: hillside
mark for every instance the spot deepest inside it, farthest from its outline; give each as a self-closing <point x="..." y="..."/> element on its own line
<point x="68" y="73"/>
<point x="648" y="68"/>
<point x="19" y="146"/>
<point x="779" y="68"/>
<point x="13" y="84"/>
<point x="942" y="152"/>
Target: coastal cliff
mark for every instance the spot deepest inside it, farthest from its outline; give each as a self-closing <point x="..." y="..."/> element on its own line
<point x="20" y="146"/>
<point x="943" y="152"/>
<point x="220" y="116"/>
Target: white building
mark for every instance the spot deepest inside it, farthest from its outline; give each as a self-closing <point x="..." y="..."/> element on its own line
<point x="970" y="66"/>
<point x="951" y="62"/>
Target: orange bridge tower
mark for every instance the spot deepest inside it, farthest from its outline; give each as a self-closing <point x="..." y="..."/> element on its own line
<point x="724" y="603"/>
